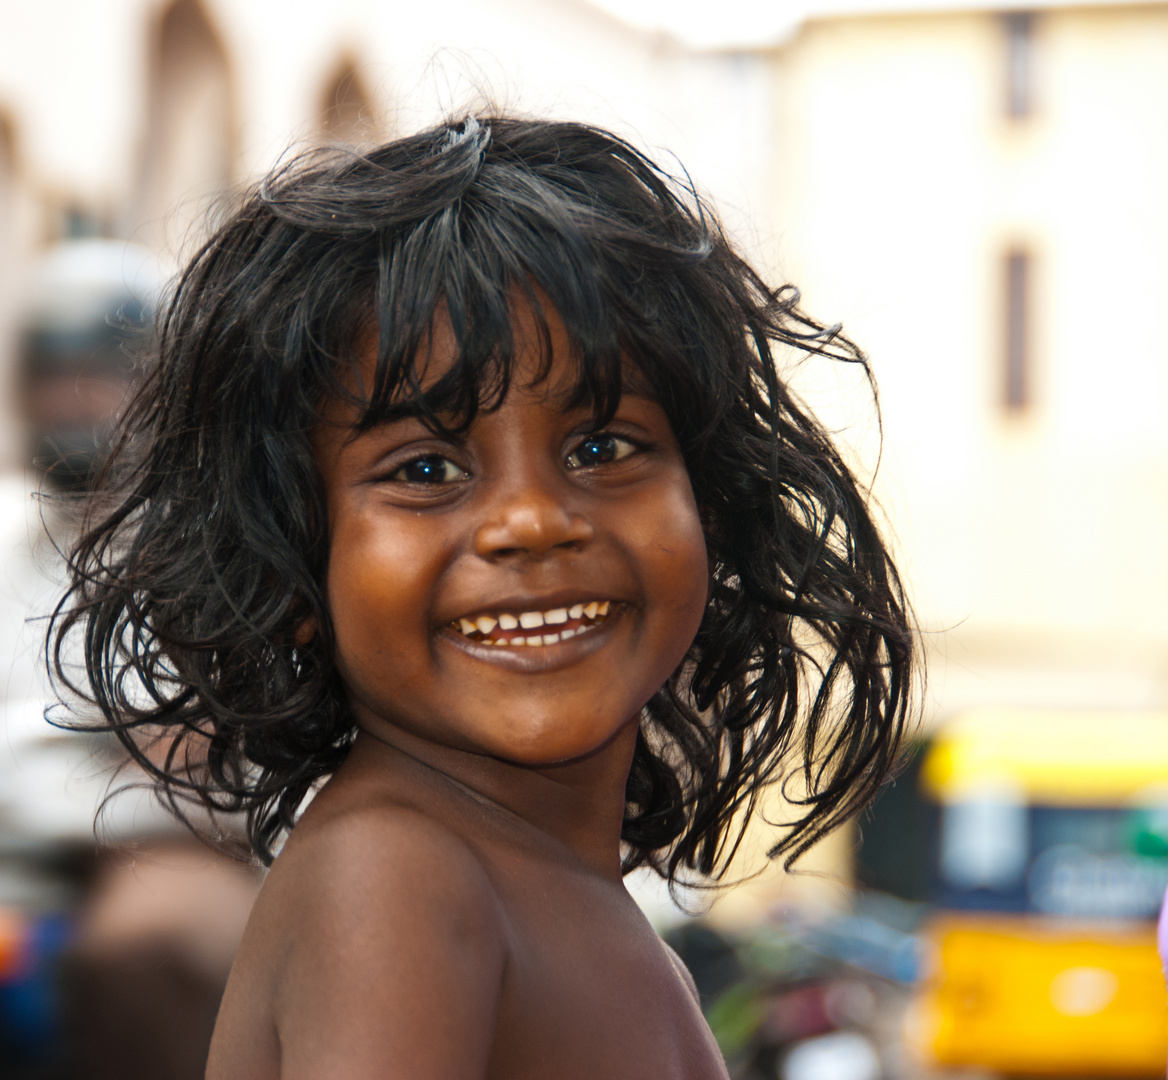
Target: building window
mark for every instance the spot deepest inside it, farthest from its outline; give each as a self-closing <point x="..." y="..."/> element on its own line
<point x="190" y="145"/>
<point x="1017" y="383"/>
<point x="1019" y="27"/>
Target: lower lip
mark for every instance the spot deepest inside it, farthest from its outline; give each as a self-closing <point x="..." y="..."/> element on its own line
<point x="533" y="659"/>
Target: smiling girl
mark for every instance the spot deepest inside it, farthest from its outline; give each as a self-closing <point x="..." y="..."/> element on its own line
<point x="465" y="496"/>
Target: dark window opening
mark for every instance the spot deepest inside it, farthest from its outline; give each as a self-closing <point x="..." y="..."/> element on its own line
<point x="1019" y="26"/>
<point x="1017" y="388"/>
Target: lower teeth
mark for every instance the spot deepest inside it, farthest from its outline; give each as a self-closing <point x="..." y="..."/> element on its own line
<point x="536" y="641"/>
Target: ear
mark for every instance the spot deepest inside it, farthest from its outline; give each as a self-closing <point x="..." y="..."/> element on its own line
<point x="305" y="631"/>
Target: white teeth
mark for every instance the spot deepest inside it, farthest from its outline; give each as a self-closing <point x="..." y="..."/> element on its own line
<point x="533" y="620"/>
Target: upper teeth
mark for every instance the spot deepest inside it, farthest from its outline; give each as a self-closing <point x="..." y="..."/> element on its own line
<point x="531" y="620"/>
<point x="484" y="624"/>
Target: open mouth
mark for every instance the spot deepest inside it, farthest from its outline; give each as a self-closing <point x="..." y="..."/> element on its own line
<point x="534" y="629"/>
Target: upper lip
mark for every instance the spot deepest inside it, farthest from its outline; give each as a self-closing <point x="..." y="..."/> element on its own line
<point x="517" y="604"/>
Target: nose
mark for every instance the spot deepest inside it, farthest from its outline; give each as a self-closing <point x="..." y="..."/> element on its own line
<point x="531" y="520"/>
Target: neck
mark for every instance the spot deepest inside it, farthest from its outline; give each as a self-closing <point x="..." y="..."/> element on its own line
<point x="578" y="804"/>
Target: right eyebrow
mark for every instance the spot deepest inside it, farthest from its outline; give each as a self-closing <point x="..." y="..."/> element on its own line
<point x="381" y="424"/>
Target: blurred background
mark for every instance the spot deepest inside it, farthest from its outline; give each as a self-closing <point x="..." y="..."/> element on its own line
<point x="977" y="192"/>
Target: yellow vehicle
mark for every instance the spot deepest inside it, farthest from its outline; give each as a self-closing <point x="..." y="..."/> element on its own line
<point x="1050" y="860"/>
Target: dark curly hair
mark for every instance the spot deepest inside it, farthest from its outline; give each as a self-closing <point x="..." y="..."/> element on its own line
<point x="205" y="544"/>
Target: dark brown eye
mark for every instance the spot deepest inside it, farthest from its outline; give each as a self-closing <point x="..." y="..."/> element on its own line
<point x="431" y="469"/>
<point x="599" y="450"/>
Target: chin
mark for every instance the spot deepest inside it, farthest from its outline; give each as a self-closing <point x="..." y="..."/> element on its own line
<point x="551" y="747"/>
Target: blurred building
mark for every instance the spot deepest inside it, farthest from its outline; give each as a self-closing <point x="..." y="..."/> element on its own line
<point x="978" y="195"/>
<point x="975" y="193"/>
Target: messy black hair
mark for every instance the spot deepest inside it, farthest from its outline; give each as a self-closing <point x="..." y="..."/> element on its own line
<point x="205" y="546"/>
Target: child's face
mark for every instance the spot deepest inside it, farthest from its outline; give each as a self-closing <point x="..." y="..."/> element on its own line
<point x="439" y="546"/>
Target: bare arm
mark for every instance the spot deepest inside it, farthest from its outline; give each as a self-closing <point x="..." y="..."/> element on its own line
<point x="396" y="964"/>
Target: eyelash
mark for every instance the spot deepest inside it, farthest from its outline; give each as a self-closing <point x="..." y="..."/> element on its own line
<point x="625" y="448"/>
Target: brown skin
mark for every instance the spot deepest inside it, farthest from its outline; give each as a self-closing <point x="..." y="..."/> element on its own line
<point x="451" y="904"/>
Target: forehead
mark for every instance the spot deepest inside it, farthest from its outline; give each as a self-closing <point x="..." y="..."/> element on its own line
<point x="544" y="359"/>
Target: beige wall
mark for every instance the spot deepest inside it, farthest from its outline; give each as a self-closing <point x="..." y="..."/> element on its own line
<point x="76" y="78"/>
<point x="1036" y="541"/>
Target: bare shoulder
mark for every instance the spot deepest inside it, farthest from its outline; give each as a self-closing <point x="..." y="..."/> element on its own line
<point x="381" y="881"/>
<point x="682" y="970"/>
<point x="382" y="940"/>
<point x="379" y="859"/>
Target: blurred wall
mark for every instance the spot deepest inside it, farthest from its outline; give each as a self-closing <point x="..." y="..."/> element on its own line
<point x="958" y="230"/>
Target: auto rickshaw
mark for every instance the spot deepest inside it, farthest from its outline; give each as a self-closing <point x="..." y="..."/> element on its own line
<point x="1049" y="861"/>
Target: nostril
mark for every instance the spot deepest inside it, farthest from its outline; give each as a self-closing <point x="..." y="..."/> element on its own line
<point x="532" y="529"/>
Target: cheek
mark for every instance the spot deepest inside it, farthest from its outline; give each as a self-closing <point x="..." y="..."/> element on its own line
<point x="376" y="596"/>
<point x="679" y="568"/>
